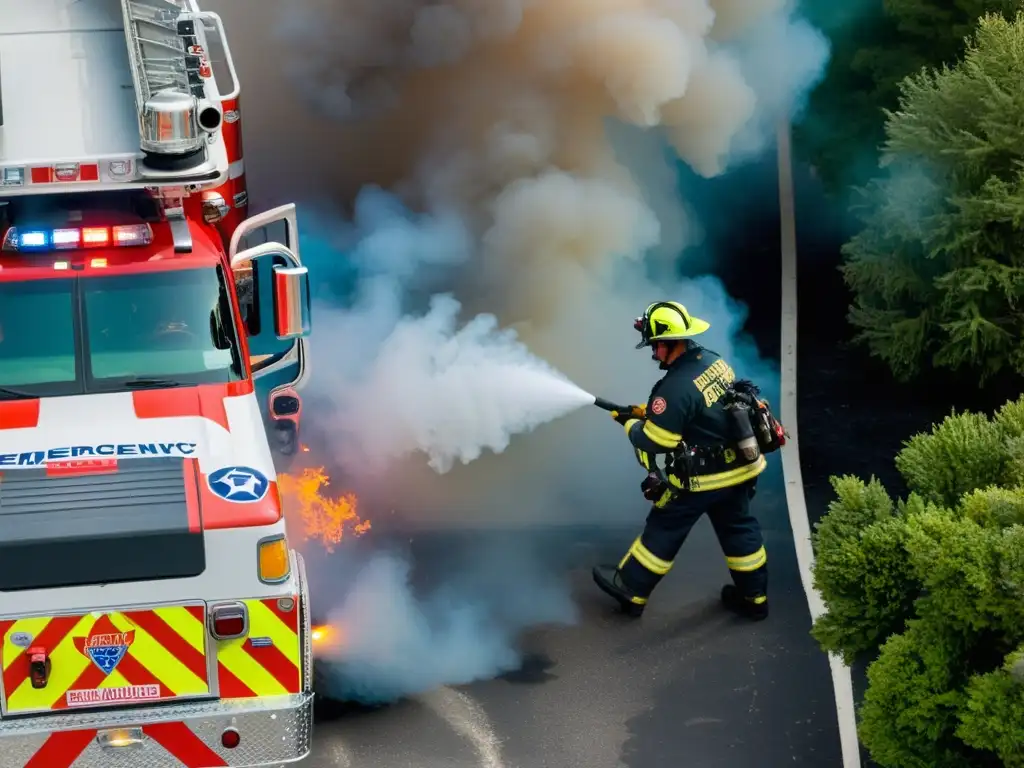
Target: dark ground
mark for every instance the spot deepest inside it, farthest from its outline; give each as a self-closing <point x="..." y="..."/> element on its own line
<point x="687" y="684"/>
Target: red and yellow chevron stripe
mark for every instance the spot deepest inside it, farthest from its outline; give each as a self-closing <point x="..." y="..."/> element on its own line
<point x="149" y="655"/>
<point x="62" y="749"/>
<point x="99" y="659"/>
<point x="268" y="661"/>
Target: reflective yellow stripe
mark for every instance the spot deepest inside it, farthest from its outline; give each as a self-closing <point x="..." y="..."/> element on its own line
<point x="160" y="662"/>
<point x="32" y="627"/>
<point x="114" y="680"/>
<point x="622" y="564"/>
<point x="662" y="436"/>
<point x="649" y="560"/>
<point x="725" y="479"/>
<point x="748" y="562"/>
<point x="643" y="458"/>
<point x="191" y="629"/>
<point x="66" y="664"/>
<point x="265" y="623"/>
<point x="629" y="424"/>
<point x="232" y="655"/>
<point x="262" y="623"/>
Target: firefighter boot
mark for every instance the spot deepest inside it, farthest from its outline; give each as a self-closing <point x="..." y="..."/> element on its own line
<point x="607" y="577"/>
<point x="744" y="606"/>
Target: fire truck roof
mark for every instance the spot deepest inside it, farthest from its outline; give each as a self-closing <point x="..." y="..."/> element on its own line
<point x="65" y="82"/>
<point x="97" y="94"/>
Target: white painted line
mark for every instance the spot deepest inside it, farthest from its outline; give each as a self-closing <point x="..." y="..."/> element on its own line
<point x="842" y="683"/>
<point x="468" y="719"/>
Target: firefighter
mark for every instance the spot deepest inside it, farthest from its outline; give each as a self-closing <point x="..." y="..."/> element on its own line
<point x="684" y="439"/>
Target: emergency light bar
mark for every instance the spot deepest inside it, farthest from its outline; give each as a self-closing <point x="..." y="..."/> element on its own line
<point x="75" y="238"/>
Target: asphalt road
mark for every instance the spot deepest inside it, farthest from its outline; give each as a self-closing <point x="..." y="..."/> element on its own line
<point x="686" y="685"/>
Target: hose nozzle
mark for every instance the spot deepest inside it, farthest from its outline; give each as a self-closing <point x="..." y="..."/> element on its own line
<point x="608" y="405"/>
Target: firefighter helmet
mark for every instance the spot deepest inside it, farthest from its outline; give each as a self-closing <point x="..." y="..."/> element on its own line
<point x="667" y="321"/>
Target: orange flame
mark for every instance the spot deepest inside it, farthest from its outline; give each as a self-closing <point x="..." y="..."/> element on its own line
<point x="318" y="514"/>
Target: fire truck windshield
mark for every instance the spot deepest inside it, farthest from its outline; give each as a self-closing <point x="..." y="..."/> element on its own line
<point x="103" y="333"/>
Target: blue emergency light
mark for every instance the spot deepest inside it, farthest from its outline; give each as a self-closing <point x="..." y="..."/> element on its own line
<point x="33" y="240"/>
<point x="74" y="238"/>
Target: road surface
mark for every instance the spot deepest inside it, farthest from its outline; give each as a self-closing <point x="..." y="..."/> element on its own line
<point x="686" y="685"/>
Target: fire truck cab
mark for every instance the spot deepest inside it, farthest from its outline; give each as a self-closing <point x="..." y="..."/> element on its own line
<point x="152" y="611"/>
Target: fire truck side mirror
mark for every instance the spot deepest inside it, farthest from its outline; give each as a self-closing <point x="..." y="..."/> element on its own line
<point x="291" y="302"/>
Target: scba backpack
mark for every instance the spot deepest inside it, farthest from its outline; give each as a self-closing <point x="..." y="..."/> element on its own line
<point x="743" y="396"/>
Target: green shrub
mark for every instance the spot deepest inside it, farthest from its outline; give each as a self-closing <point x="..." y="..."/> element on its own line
<point x="993" y="718"/>
<point x="909" y="715"/>
<point x="964" y="452"/>
<point x="933" y="588"/>
<point x="863" y="566"/>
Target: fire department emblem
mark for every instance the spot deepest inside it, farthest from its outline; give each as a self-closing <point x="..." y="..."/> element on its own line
<point x="105" y="649"/>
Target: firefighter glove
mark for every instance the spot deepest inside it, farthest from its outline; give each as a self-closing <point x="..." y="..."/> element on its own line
<point x="638" y="411"/>
<point x="622" y="416"/>
<point x="653" y="487"/>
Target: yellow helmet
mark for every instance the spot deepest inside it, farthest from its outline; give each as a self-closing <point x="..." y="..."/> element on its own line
<point x="667" y="321"/>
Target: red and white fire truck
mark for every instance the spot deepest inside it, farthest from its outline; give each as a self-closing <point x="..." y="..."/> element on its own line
<point x="152" y="612"/>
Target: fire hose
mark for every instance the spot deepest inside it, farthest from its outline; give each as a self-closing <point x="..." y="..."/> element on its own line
<point x="635" y="411"/>
<point x="608" y="405"/>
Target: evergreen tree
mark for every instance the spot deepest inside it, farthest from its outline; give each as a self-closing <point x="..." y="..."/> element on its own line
<point x="933" y="587"/>
<point x="937" y="273"/>
<point x="875" y="44"/>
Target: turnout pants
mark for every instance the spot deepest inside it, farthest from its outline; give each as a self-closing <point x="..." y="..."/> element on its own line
<point x="739" y="534"/>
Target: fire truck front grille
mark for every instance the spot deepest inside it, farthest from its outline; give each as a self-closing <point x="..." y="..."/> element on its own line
<point x="131" y="524"/>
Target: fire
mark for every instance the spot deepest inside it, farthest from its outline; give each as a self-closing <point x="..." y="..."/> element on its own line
<point x="327" y="640"/>
<point x="320" y="515"/>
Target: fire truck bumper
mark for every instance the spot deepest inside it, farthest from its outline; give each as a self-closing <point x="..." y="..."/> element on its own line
<point x="270" y="731"/>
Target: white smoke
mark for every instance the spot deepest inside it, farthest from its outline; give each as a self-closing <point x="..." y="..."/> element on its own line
<point x="403" y="642"/>
<point x="391" y="384"/>
<point x="530" y="152"/>
<point x="489" y="122"/>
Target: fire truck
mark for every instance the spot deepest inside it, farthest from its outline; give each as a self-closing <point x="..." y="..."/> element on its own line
<point x="152" y="611"/>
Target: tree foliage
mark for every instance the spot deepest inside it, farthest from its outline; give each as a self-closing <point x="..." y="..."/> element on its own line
<point x="934" y="587"/>
<point x="937" y="272"/>
<point x="875" y="44"/>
